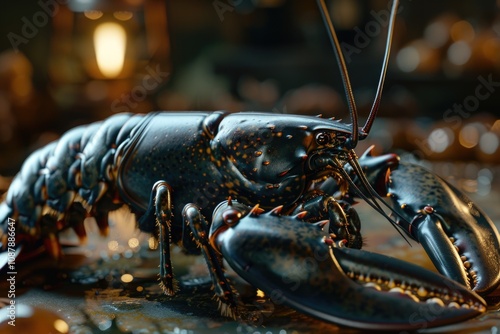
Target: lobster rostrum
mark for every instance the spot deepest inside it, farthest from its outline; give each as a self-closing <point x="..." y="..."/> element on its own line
<point x="173" y="169"/>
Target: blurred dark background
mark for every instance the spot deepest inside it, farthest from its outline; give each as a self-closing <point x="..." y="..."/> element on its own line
<point x="441" y="100"/>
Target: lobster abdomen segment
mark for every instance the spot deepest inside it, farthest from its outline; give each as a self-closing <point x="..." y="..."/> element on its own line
<point x="76" y="168"/>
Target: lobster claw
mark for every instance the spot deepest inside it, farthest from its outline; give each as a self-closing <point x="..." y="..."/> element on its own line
<point x="462" y="241"/>
<point x="297" y="264"/>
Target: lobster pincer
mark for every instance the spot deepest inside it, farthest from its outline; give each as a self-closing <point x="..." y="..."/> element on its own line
<point x="298" y="264"/>
<point x="460" y="239"/>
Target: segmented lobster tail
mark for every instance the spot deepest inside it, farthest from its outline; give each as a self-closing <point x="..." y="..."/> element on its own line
<point x="62" y="183"/>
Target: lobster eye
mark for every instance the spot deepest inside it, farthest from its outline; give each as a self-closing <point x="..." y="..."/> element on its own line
<point x="231" y="217"/>
<point x="322" y="138"/>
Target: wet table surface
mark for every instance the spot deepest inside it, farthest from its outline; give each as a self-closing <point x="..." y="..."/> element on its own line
<point x="109" y="286"/>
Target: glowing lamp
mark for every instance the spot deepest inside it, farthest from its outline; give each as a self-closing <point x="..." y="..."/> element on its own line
<point x="108" y="40"/>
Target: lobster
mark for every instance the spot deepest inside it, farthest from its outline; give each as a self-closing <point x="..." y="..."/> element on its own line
<point x="175" y="169"/>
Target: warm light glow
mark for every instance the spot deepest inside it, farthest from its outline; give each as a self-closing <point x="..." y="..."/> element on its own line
<point x="61" y="326"/>
<point x="113" y="245"/>
<point x="133" y="242"/>
<point x="469" y="135"/>
<point x="496" y="126"/>
<point x="127" y="278"/>
<point x="491" y="48"/>
<point x="462" y="31"/>
<point x="93" y="14"/>
<point x="110" y="41"/>
<point x="153" y="243"/>
<point x="123" y="16"/>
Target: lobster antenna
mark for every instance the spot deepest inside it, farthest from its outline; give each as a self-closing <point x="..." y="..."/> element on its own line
<point x="368" y="198"/>
<point x="378" y="96"/>
<point x="351" y="144"/>
<point x="345" y="75"/>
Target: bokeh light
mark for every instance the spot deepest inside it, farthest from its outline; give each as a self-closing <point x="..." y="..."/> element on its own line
<point x="469" y="135"/>
<point x="440" y="139"/>
<point x="436" y="34"/>
<point x="459" y="53"/>
<point x="126" y="278"/>
<point x="489" y="142"/>
<point x="408" y="59"/>
<point x="133" y="242"/>
<point x="462" y="31"/>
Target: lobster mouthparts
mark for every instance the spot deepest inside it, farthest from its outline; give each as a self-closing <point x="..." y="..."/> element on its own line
<point x="297" y="264"/>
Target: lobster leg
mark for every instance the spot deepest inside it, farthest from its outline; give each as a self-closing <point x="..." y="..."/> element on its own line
<point x="49" y="235"/>
<point x="100" y="213"/>
<point x="344" y="221"/>
<point x="160" y="210"/>
<point x="75" y="217"/>
<point x="222" y="288"/>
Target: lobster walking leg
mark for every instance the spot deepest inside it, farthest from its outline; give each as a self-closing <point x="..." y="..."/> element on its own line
<point x="160" y="210"/>
<point x="49" y="234"/>
<point x="75" y="218"/>
<point x="222" y="288"/>
<point x="344" y="221"/>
